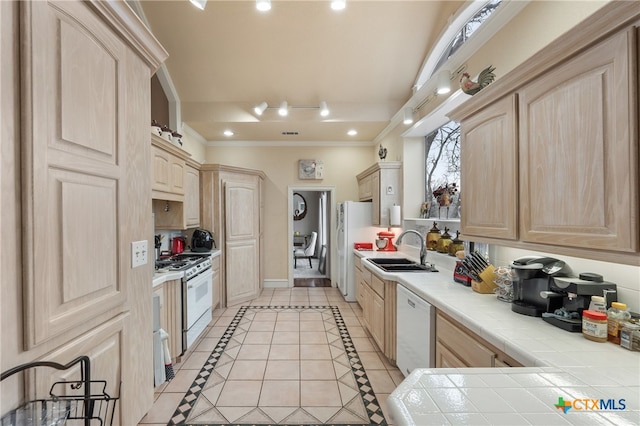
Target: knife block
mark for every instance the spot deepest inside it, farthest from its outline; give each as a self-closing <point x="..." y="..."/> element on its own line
<point x="487" y="285"/>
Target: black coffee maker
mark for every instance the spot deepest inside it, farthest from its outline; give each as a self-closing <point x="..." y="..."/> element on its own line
<point x="531" y="287"/>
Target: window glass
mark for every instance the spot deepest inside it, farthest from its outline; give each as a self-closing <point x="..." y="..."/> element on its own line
<point x="442" y="172"/>
<point x="465" y="32"/>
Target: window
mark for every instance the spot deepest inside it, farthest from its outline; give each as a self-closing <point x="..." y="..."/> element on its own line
<point x="442" y="172"/>
<point x="465" y="32"/>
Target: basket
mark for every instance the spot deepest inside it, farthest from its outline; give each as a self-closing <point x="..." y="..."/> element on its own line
<point x="77" y="402"/>
<point x="487" y="285"/>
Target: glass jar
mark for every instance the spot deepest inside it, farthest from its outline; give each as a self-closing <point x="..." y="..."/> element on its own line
<point x="456" y="245"/>
<point x="616" y="315"/>
<point x="594" y="325"/>
<point x="630" y="336"/>
<point x="442" y="246"/>
<point x="433" y="236"/>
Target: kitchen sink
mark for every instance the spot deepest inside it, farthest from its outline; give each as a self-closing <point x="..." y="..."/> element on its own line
<point x="398" y="265"/>
<point x="391" y="261"/>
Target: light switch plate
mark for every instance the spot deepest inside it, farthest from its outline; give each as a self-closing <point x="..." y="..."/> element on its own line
<point x="139" y="253"/>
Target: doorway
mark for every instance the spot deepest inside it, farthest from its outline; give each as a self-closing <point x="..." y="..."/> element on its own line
<point x="310" y="236"/>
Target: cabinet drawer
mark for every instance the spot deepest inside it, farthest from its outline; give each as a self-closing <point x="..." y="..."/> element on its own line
<point x="377" y="285"/>
<point x="215" y="263"/>
<point x="467" y="349"/>
<point x="366" y="276"/>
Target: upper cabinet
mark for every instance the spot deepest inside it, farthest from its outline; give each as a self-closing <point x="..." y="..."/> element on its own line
<point x="175" y="186"/>
<point x="550" y="151"/>
<point x="382" y="185"/>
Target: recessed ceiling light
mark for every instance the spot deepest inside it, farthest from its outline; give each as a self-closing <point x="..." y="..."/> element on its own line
<point x="263" y="5"/>
<point x="228" y="133"/>
<point x="338" y="4"/>
<point x="352" y="132"/>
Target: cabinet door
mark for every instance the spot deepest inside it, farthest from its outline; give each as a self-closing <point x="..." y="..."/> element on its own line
<point x="489" y="177"/>
<point x="161" y="170"/>
<point x="358" y="280"/>
<point x="215" y="267"/>
<point x="375" y="200"/>
<point x="377" y="320"/>
<point x="459" y="342"/>
<point x="446" y="359"/>
<point x="78" y="178"/>
<point x="364" y="189"/>
<point x="177" y="171"/>
<point x="192" y="197"/>
<point x="578" y="151"/>
<point x="242" y="233"/>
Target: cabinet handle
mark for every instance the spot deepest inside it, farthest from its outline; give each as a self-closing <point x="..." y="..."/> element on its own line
<point x="410" y="302"/>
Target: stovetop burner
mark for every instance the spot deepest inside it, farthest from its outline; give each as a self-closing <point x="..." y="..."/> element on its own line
<point x="192" y="264"/>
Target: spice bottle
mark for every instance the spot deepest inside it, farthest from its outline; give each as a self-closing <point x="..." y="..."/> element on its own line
<point x="630" y="336"/>
<point x="594" y="325"/>
<point x="616" y="315"/>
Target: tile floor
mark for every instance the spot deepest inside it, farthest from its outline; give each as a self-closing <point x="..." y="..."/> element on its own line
<point x="278" y="368"/>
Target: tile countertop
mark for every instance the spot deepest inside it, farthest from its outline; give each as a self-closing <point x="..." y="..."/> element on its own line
<point x="159" y="278"/>
<point x="557" y="364"/>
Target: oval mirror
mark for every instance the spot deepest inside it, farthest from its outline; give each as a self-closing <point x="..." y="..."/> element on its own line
<point x="299" y="206"/>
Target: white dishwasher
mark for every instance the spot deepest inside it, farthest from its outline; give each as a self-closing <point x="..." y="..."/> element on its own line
<point x="416" y="331"/>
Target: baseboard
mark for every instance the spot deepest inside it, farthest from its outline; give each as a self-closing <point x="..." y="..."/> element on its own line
<point x="275" y="283"/>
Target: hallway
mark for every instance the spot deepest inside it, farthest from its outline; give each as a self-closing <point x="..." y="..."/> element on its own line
<point x="291" y="356"/>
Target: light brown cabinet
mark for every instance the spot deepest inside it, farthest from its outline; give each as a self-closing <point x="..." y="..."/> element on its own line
<point x="168" y="170"/>
<point x="232" y="208"/>
<point x="382" y="185"/>
<point x="377" y="298"/>
<point x="82" y="103"/>
<point x="489" y="164"/>
<point x="192" y="196"/>
<point x="549" y="152"/>
<point x="176" y="186"/>
<point x="216" y="285"/>
<point x="170" y="296"/>
<point x="457" y="346"/>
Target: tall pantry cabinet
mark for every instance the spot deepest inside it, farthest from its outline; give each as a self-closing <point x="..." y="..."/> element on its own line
<point x="76" y="76"/>
<point x="232" y="208"/>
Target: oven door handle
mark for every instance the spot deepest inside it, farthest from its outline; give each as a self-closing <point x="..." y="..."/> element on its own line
<point x="203" y="276"/>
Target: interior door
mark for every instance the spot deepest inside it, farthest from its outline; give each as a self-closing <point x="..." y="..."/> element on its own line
<point x="242" y="249"/>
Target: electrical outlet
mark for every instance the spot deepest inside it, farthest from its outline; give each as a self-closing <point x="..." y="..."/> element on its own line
<point x="390" y="190"/>
<point x="139" y="253"/>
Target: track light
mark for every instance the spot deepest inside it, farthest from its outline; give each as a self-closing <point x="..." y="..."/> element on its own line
<point x="408" y="115"/>
<point x="338" y="4"/>
<point x="284" y="109"/>
<point x="263" y="5"/>
<point x="443" y="82"/>
<point x="259" y="109"/>
<point x="324" y="110"/>
<point x="200" y="4"/>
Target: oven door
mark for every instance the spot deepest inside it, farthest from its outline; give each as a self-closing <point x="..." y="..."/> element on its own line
<point x="197" y="304"/>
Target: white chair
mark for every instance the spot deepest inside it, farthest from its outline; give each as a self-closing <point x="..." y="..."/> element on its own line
<point x="308" y="252"/>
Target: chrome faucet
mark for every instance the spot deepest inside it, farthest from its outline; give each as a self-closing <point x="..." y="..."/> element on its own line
<point x="423" y="246"/>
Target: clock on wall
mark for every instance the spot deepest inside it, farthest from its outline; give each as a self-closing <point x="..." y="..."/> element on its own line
<point x="310" y="169"/>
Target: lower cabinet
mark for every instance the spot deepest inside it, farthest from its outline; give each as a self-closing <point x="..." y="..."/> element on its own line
<point x="171" y="314"/>
<point x="377" y="298"/>
<point x="217" y="282"/>
<point x="457" y="346"/>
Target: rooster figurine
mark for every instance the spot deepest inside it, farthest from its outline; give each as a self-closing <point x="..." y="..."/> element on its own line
<point x="471" y="87"/>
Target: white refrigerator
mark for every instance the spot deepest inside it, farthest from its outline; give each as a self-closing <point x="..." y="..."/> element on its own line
<point x="354" y="225"/>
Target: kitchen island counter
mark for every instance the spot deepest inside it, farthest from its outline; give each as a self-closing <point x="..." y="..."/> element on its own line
<point x="571" y="366"/>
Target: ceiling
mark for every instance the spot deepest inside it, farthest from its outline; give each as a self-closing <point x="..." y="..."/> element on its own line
<point x="363" y="61"/>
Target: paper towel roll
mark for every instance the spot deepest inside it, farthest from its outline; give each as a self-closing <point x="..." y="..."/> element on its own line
<point x="395" y="217"/>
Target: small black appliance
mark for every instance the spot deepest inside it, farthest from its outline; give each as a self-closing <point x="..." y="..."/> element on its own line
<point x="202" y="241"/>
<point x="531" y="287"/>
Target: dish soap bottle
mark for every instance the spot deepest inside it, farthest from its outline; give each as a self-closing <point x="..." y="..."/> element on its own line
<point x="617" y="314"/>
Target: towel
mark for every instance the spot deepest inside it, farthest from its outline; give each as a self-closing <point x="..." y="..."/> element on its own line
<point x="168" y="366"/>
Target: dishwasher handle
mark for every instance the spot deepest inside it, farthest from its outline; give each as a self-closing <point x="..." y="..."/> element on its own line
<point x="411" y="303"/>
